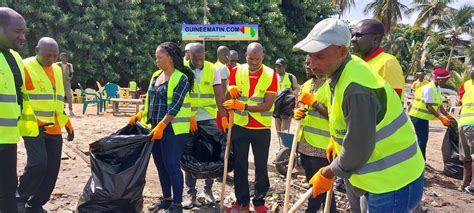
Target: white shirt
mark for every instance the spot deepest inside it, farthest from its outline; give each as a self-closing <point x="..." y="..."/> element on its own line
<point x="201" y="114"/>
<point x="428" y="94"/>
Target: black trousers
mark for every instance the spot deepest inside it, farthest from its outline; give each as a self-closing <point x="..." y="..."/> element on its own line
<point x="311" y="165"/>
<point x="8" y="179"/>
<point x="241" y="139"/>
<point x="41" y="170"/>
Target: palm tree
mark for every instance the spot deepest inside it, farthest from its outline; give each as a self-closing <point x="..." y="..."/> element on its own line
<point x="389" y="12"/>
<point x="456" y="24"/>
<point x="343" y="5"/>
<point x="431" y="12"/>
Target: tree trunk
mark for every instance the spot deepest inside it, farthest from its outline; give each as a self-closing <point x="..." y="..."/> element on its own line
<point x="450" y="56"/>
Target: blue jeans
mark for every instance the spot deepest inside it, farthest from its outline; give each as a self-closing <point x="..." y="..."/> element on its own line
<point x="403" y="200"/>
<point x="422" y="129"/>
<point x="167" y="154"/>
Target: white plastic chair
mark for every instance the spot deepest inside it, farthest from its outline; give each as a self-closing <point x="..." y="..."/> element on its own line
<point x="454" y="107"/>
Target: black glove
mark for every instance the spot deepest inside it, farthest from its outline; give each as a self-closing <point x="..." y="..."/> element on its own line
<point x="70" y="134"/>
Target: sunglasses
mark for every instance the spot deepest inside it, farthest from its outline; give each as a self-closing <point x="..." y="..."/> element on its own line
<point x="358" y="35"/>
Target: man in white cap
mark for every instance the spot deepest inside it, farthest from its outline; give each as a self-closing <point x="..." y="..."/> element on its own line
<point x="370" y="132"/>
<point x="187" y="51"/>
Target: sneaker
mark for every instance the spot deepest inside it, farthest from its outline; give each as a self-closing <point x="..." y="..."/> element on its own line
<point x="191" y="201"/>
<point x="160" y="204"/>
<point x="469" y="189"/>
<point x="209" y="196"/>
<point x="260" y="209"/>
<point x="237" y="208"/>
<point x="175" y="208"/>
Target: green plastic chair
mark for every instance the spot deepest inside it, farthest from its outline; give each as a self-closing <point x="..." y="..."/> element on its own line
<point x="93" y="98"/>
<point x="109" y="91"/>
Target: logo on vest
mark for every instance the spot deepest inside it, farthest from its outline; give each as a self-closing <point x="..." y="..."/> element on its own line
<point x="341" y="131"/>
<point x="207" y="83"/>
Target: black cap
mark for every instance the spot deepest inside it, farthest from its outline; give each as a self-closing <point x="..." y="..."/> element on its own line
<point x="280" y="61"/>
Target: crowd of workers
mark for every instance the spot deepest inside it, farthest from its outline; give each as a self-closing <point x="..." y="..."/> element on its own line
<point x="353" y="123"/>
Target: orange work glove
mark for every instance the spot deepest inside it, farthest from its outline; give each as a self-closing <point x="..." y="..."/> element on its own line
<point x="234" y="104"/>
<point x="233" y="91"/>
<point x="444" y="120"/>
<point x="331" y="150"/>
<point x="225" y="124"/>
<point x="307" y="98"/>
<point x="299" y="113"/>
<point x="133" y="120"/>
<point x="193" y="126"/>
<point x="157" y="132"/>
<point x="320" y="183"/>
<point x="70" y="131"/>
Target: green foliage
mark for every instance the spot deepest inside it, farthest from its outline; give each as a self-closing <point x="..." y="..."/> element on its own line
<point x="116" y="40"/>
<point x="389" y="12"/>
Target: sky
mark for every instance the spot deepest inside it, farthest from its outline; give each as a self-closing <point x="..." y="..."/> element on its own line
<point x="356" y="13"/>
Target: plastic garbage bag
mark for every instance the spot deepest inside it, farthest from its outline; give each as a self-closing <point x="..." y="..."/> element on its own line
<point x="453" y="167"/>
<point x="203" y="156"/>
<point x="284" y="104"/>
<point x="118" y="164"/>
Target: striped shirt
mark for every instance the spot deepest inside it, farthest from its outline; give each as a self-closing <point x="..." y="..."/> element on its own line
<point x="158" y="106"/>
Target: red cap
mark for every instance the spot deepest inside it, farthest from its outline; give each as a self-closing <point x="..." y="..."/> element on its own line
<point x="440" y="73"/>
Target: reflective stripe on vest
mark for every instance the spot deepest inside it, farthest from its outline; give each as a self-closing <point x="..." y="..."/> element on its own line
<point x="396" y="160"/>
<point x="418" y="108"/>
<point x="314" y="126"/>
<point x="181" y="121"/>
<point x="467" y="110"/>
<point x="47" y="102"/>
<point x="202" y="95"/>
<point x="242" y="81"/>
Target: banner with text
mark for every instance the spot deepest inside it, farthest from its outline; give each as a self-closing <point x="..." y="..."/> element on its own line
<point x="221" y="32"/>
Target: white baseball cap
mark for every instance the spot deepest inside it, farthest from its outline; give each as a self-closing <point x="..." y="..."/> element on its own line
<point x="188" y="46"/>
<point x="330" y="31"/>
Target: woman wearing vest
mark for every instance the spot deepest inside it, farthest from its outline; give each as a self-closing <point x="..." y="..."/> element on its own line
<point x="466" y="135"/>
<point x="168" y="110"/>
<point x="314" y="131"/>
<point x="252" y="89"/>
<point x="370" y="132"/>
<point x="427" y="105"/>
<point x="43" y="82"/>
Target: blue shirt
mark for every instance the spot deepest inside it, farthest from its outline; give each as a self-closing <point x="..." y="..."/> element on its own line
<point x="158" y="107"/>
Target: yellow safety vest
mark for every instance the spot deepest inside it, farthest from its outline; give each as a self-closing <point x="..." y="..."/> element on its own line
<point x="46" y="102"/>
<point x="286" y="83"/>
<point x="202" y="94"/>
<point x="180" y="122"/>
<point x="396" y="160"/>
<point x="133" y="86"/>
<point x="418" y="108"/>
<point x="242" y="81"/>
<point x="467" y="111"/>
<point x="467" y="85"/>
<point x="378" y="64"/>
<point x="314" y="127"/>
<point x="13" y="122"/>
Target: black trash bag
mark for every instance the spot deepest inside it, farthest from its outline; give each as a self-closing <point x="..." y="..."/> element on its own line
<point x="118" y="164"/>
<point x="284" y="104"/>
<point x="453" y="167"/>
<point x="203" y="156"/>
